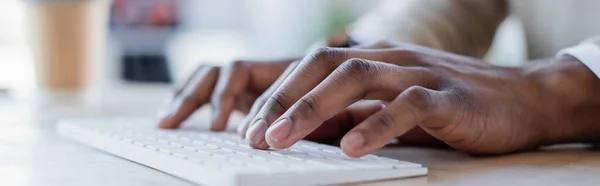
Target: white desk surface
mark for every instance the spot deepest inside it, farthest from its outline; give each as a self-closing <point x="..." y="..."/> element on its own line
<point x="31" y="153"/>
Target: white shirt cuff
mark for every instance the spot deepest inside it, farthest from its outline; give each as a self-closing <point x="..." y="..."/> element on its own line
<point x="587" y="53"/>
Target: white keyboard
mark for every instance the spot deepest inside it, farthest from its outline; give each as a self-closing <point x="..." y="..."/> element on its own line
<point x="220" y="158"/>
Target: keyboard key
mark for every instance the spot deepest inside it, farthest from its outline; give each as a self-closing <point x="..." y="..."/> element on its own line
<point x="158" y="146"/>
<point x="306" y="156"/>
<point x="200" y="147"/>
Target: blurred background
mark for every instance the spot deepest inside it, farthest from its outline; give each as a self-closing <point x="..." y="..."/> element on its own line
<point x="146" y="37"/>
<point x="158" y="42"/>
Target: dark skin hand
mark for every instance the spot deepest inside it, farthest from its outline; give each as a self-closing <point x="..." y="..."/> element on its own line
<point x="234" y="87"/>
<point x="435" y="96"/>
<point x="242" y="85"/>
<point x="248" y="89"/>
<point x="468" y="104"/>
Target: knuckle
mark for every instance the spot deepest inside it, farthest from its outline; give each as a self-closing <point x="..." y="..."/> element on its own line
<point x="211" y="69"/>
<point x="331" y="56"/>
<point x="238" y="64"/>
<point x="385" y="120"/>
<point x="321" y="53"/>
<point x="419" y="98"/>
<point x="358" y="71"/>
<point x="280" y="101"/>
<point x="308" y="106"/>
<point x="430" y="77"/>
<point x="359" y="66"/>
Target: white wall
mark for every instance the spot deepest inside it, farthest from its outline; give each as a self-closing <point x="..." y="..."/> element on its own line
<point x="16" y="61"/>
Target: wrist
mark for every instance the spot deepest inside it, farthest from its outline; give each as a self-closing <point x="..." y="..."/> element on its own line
<point x="571" y="95"/>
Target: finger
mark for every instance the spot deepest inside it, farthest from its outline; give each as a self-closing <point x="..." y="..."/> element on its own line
<point x="408" y="110"/>
<point x="180" y="87"/>
<point x="262" y="82"/>
<point x="244" y="102"/>
<point x="332" y="130"/>
<point x="354" y="80"/>
<point x="310" y="72"/>
<point x="243" y="129"/>
<point x="232" y="82"/>
<point x="261" y="100"/>
<point x="191" y="77"/>
<point x="196" y="94"/>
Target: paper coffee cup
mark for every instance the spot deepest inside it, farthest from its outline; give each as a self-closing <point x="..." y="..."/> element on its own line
<point x="67" y="38"/>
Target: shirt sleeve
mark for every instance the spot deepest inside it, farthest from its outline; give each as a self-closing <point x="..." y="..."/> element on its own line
<point x="465" y="27"/>
<point x="588" y="53"/>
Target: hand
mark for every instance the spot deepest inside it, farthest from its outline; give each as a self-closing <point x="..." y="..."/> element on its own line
<point x="242" y="86"/>
<point x="234" y="87"/>
<point x="464" y="102"/>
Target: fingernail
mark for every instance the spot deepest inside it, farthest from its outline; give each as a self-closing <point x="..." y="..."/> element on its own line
<point x="280" y="130"/>
<point x="256" y="133"/>
<point x="353" y="142"/>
